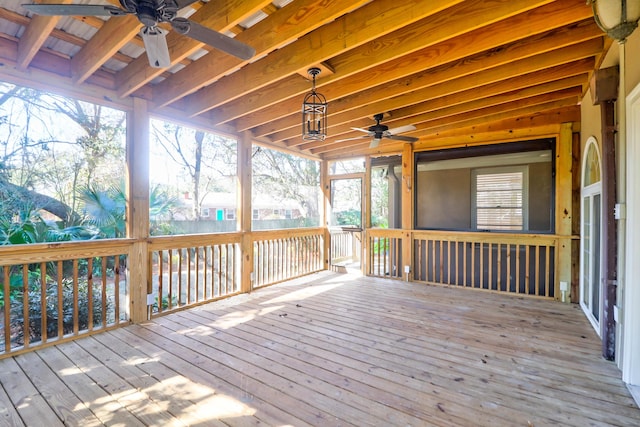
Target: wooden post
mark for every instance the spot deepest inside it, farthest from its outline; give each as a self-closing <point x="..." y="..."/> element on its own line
<point x="245" y="211"/>
<point x="564" y="206"/>
<point x="324" y="214"/>
<point x="609" y="231"/>
<point x="406" y="190"/>
<point x="575" y="227"/>
<point x="366" y="197"/>
<point x="137" y="176"/>
<point x="604" y="89"/>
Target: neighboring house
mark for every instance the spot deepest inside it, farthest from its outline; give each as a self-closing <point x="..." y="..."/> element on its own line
<point x="222" y="207"/>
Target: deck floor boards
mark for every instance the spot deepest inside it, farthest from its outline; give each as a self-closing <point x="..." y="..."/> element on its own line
<point x="330" y="349"/>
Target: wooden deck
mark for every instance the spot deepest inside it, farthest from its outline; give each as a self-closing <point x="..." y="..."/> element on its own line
<point x="327" y="350"/>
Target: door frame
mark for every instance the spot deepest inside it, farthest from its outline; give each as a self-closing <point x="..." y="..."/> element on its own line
<point x="589" y="192"/>
<point x="355" y="232"/>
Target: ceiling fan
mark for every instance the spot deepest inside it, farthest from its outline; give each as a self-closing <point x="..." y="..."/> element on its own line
<point x="150" y="13"/>
<point x="379" y="131"/>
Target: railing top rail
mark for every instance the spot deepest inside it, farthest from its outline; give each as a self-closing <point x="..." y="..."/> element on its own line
<point x="46" y="252"/>
<point x="191" y="240"/>
<point x="282" y="234"/>
<point x="487" y="237"/>
<point x="386" y="232"/>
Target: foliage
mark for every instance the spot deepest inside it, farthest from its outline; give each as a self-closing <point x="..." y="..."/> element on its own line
<point x="284" y="176"/>
<point x="348" y="217"/>
<point x="51" y="306"/>
<point x="28" y="226"/>
<point x="52" y="145"/>
<point x="380" y="197"/>
<point x="201" y="162"/>
<point x="105" y="209"/>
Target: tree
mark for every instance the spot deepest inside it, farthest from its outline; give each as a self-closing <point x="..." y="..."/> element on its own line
<point x="49" y="145"/>
<point x="207" y="160"/>
<point x="285" y="176"/>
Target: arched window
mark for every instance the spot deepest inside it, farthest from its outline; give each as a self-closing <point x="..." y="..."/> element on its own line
<point x="591" y="234"/>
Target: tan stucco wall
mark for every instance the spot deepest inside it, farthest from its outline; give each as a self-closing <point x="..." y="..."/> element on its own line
<point x="590" y="122"/>
<point x="632" y="51"/>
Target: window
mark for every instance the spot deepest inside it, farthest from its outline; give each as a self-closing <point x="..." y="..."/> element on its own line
<point x="276" y="212"/>
<point x="230" y="214"/>
<point x="205" y="212"/>
<point x="255" y="214"/>
<point x="500" y="198"/>
<point x="288" y="214"/>
<point x="502" y="188"/>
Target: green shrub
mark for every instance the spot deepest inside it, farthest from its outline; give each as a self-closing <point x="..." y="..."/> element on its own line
<point x="52" y="313"/>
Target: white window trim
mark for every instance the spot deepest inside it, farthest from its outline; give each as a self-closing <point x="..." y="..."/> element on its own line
<point x="497" y="170"/>
<point x="590" y="191"/>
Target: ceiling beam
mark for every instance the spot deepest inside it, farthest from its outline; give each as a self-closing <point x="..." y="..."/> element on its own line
<point x="348" y="32"/>
<point x="539" y="69"/>
<point x="283" y="26"/>
<point x="110" y="38"/>
<point x="35" y="35"/>
<point x="478" y="42"/>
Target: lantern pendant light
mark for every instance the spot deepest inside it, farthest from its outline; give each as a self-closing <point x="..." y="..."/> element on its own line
<point x="314" y="112"/>
<point x="617" y="18"/>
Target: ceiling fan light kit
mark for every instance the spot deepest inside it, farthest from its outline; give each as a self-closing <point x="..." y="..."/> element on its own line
<point x="150" y="13"/>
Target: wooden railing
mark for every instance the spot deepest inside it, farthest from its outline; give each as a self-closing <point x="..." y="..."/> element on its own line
<point x="509" y="263"/>
<point x="345" y="244"/>
<point x="56" y="292"/>
<point x="192" y="269"/>
<point x="285" y="254"/>
<point x="384" y="253"/>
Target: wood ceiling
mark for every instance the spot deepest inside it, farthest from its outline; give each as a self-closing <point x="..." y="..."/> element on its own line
<point x="460" y="71"/>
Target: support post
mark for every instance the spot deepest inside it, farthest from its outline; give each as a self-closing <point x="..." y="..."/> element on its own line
<point x="609" y="231"/>
<point x="406" y="190"/>
<point x="324" y="215"/>
<point x="138" y="272"/>
<point x="604" y="89"/>
<point x="245" y="211"/>
<point x="564" y="211"/>
<point x="366" y="224"/>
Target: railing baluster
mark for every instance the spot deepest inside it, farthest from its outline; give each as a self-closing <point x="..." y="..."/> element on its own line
<point x="7" y="307"/>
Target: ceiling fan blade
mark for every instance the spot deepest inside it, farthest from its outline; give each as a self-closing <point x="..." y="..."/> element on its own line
<point x="361" y="130"/>
<point x="353" y="139"/>
<point x="213" y="38"/>
<point x="374" y="143"/>
<point x="402" y="138"/>
<point x="155" y="43"/>
<point x="75" y="9"/>
<point x="401" y="129"/>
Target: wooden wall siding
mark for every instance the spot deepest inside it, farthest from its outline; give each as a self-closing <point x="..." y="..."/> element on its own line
<point x="517" y="264"/>
<point x="285" y="254"/>
<point x="61" y="297"/>
<point x="384" y="254"/>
